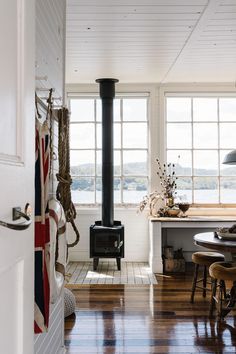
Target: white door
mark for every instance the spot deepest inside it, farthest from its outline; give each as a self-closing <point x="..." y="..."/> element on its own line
<point x="16" y="174"/>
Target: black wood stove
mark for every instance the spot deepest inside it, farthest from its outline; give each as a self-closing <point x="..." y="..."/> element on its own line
<point x="107" y="235"/>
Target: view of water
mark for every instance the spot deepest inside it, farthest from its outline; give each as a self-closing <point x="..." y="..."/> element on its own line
<point x="135" y="197"/>
<point x="87" y="197"/>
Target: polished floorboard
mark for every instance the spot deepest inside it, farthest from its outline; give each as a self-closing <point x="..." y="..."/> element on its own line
<point x="107" y="273"/>
<point x="156" y="318"/>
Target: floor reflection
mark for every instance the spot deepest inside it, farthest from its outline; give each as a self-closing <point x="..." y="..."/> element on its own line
<point x="147" y="319"/>
<point x="212" y="333"/>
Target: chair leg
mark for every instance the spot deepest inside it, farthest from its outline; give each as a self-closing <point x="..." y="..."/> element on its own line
<point x="224" y="289"/>
<point x="231" y="300"/>
<point x="221" y="316"/>
<point x="204" y="282"/>
<point x="194" y="283"/>
<point x="213" y="294"/>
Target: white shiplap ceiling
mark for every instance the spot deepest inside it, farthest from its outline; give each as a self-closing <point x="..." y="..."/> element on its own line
<point x="151" y="40"/>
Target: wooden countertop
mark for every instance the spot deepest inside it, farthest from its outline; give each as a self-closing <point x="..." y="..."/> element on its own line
<point x="197" y="218"/>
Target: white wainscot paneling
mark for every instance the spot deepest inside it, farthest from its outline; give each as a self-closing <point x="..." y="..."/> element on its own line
<point x="136" y="234"/>
<point x="52" y="342"/>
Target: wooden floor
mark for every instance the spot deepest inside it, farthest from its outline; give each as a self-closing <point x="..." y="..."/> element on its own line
<point x="107" y="273"/>
<point x="145" y="319"/>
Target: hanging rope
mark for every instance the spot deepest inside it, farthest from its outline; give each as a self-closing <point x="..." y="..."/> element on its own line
<point x="63" y="189"/>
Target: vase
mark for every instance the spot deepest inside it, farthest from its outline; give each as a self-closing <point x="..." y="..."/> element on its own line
<point x="169" y="202"/>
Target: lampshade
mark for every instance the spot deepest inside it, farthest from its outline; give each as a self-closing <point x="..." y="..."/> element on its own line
<point x="230" y="158"/>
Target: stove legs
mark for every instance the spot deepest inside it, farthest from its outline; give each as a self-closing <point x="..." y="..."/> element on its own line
<point x="96" y="261"/>
<point x="118" y="263"/>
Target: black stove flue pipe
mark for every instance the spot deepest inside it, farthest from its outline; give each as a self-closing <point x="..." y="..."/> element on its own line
<point x="107" y="94"/>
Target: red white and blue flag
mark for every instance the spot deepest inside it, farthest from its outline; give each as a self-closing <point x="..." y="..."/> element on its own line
<point x="42" y="235"/>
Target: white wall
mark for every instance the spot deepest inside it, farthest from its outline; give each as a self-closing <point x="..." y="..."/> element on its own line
<point x="50" y="62"/>
<point x="136" y="234"/>
<point x="136" y="226"/>
<point x="50" y="46"/>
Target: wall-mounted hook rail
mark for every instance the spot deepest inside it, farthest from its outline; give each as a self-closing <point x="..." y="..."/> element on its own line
<point x="42" y="89"/>
<point x="41" y="78"/>
<point x="53" y="98"/>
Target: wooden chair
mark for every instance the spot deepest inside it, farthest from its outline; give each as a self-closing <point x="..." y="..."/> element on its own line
<point x="220" y="273"/>
<point x="204" y="259"/>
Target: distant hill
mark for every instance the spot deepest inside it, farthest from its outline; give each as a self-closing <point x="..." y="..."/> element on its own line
<point x="132" y="168"/>
<point x="140" y="168"/>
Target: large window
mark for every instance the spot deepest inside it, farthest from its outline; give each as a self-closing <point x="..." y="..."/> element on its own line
<point x="130" y="149"/>
<point x="200" y="132"/>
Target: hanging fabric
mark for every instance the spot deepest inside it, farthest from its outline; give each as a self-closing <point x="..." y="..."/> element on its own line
<point x="42" y="234"/>
<point x="63" y="177"/>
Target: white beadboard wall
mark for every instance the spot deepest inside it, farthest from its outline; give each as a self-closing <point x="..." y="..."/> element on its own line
<point x="52" y="342"/>
<point x="50" y="62"/>
<point x="50" y="46"/>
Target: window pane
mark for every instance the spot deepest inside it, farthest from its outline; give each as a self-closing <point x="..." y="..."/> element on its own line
<point x="205" y="109"/>
<point x="82" y="110"/>
<point x="135" y="163"/>
<point x="227" y="135"/>
<point x="205" y="135"/>
<point x="117" y="190"/>
<point x="98" y="190"/>
<point x="227" y="109"/>
<point x="98" y="110"/>
<point x="228" y="190"/>
<point x="206" y="190"/>
<point x="82" y="136"/>
<point x="116" y="110"/>
<point x="178" y="109"/>
<point x="99" y="163"/>
<point x="117" y="136"/>
<point x="117" y="163"/>
<point x="134" y="109"/>
<point x="226" y="170"/>
<point x="182" y="159"/>
<point x="82" y="190"/>
<point x="205" y="163"/>
<point x="82" y="162"/>
<point x="184" y="190"/>
<point x="99" y="135"/>
<point x="179" y="135"/>
<point x="134" y="135"/>
<point x="134" y="189"/>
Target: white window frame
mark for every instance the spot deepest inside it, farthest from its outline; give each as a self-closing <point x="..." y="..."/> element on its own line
<point x="197" y="94"/>
<point x="119" y="95"/>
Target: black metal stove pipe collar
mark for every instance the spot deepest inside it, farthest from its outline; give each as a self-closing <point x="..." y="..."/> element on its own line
<point x="107" y="94"/>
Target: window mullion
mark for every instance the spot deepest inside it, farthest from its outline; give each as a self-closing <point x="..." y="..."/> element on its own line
<point x="192" y="153"/>
<point x="218" y="122"/>
<point x="95" y="150"/>
<point x="121" y="153"/>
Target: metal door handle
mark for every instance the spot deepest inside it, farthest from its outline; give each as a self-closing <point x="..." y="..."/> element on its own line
<point x="17" y="214"/>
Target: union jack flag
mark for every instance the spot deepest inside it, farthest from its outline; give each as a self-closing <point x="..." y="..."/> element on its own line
<point x="42" y="235"/>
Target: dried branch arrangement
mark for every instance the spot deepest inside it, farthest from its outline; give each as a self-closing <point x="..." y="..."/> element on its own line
<point x="168" y="178"/>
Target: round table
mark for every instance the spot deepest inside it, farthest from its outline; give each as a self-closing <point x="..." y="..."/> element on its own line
<point x="210" y="240"/>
